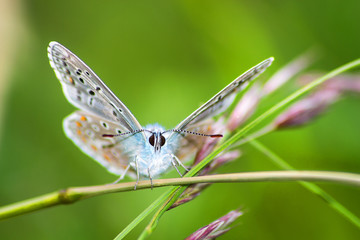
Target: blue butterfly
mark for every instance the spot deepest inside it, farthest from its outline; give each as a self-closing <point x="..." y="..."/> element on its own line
<point x="106" y="130"/>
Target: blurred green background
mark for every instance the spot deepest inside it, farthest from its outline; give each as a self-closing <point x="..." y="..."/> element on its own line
<point x="162" y="59"/>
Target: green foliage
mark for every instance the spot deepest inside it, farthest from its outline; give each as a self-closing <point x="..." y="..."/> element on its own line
<point x="162" y="59"/>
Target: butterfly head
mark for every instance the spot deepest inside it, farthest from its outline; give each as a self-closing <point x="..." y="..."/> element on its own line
<point x="155" y="137"/>
<point x="157" y="140"/>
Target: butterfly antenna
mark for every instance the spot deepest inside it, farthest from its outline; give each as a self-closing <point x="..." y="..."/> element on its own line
<point x="125" y="133"/>
<point x="195" y="133"/>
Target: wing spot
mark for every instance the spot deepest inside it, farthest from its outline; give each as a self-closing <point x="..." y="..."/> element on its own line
<point x="114" y="113"/>
<point x="107" y="158"/>
<point x="71" y="81"/>
<point x="98" y="89"/>
<point x="95" y="127"/>
<point x="104" y="124"/>
<point x="90" y="133"/>
<point x="91" y="101"/>
<point x="84" y="139"/>
<point x="94" y="147"/>
<point x="120" y="110"/>
<point x="79" y="132"/>
<point x="87" y="73"/>
<point x="118" y="131"/>
<point x="81" y="80"/>
<point x="91" y="92"/>
<point x="64" y="63"/>
<point x="79" y="98"/>
<point x="78" y="71"/>
<point x="78" y="124"/>
<point x="83" y="118"/>
<point x="114" y="153"/>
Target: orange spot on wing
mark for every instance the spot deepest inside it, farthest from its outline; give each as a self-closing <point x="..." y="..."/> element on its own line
<point x="78" y="124"/>
<point x="84" y="139"/>
<point x="94" y="147"/>
<point x="107" y="158"/>
<point x="78" y="132"/>
<point x="82" y="118"/>
<point x="71" y="80"/>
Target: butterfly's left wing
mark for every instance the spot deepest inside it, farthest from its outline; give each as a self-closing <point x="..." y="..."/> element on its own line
<point x="85" y="90"/>
<point x="102" y="112"/>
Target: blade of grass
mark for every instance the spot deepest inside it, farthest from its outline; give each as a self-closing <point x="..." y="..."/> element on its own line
<point x="332" y="202"/>
<point x="154" y="221"/>
<point x="142" y="215"/>
<point x="285" y="102"/>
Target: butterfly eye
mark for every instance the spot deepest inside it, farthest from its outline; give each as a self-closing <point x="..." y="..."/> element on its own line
<point x="162" y="140"/>
<point x="152" y="140"/>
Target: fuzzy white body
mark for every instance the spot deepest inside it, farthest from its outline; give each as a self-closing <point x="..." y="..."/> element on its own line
<point x="144" y="157"/>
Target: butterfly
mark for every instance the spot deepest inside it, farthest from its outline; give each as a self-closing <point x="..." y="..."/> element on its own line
<point x="106" y="130"/>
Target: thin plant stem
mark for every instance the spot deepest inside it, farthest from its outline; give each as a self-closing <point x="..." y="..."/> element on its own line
<point x="154" y="221"/>
<point x="72" y="195"/>
<point x="141" y="216"/>
<point x="332" y="202"/>
<point x="264" y="131"/>
<point x="281" y="163"/>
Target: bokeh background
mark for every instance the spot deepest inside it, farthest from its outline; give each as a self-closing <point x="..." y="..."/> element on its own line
<point x="162" y="59"/>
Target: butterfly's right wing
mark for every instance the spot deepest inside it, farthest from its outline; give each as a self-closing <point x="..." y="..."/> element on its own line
<point x="222" y="100"/>
<point x="201" y="119"/>
<point x="86" y="131"/>
<point x="84" y="89"/>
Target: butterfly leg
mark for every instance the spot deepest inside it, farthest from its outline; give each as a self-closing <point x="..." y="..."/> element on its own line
<point x="179" y="162"/>
<point x="137" y="172"/>
<point x="150" y="178"/>
<point x="122" y="175"/>
<point x="174" y="164"/>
